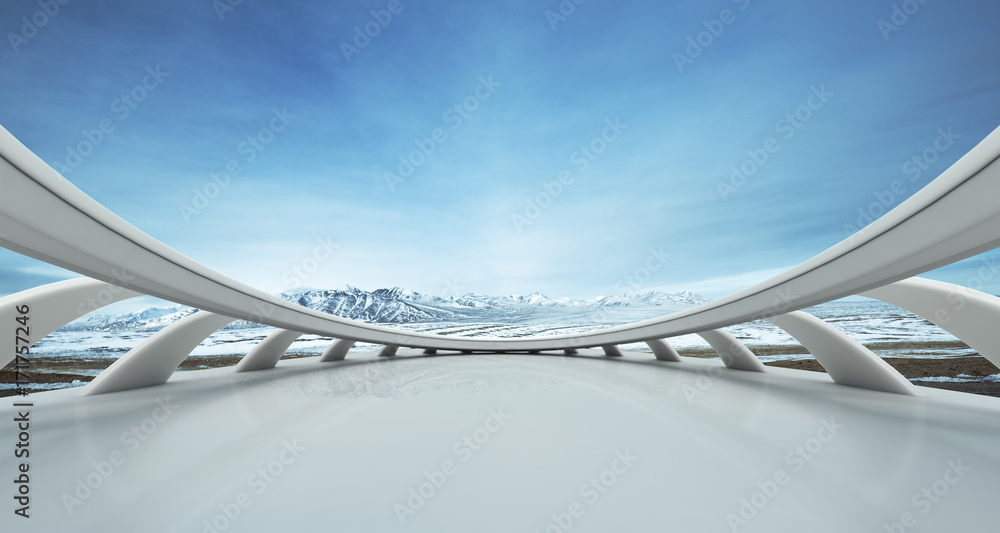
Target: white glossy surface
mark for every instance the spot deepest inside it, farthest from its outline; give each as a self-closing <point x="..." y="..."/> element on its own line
<point x="704" y="437"/>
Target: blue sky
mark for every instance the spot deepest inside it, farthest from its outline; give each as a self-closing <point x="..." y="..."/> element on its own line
<point x="314" y="133"/>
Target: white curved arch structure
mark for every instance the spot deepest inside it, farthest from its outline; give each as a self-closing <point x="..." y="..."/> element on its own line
<point x="663" y="351"/>
<point x="155" y="359"/>
<point x="349" y="439"/>
<point x="970" y="315"/>
<point x="336" y="351"/>
<point x="952" y="218"/>
<point x="266" y="353"/>
<point x="52" y="306"/>
<point x="845" y="359"/>
<point x="734" y="354"/>
<point x="610" y="350"/>
<point x="389" y="350"/>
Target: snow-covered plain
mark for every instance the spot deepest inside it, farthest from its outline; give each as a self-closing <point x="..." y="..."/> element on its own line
<point x="865" y="321"/>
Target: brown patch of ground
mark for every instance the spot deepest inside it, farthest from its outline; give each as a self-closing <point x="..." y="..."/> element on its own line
<point x="7" y="376"/>
<point x="63" y="370"/>
<point x="910" y="368"/>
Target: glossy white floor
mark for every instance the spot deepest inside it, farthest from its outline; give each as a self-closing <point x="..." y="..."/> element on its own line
<point x="506" y="443"/>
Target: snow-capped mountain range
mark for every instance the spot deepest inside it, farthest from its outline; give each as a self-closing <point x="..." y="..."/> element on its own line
<point x="154" y="318"/>
<point x="398" y="306"/>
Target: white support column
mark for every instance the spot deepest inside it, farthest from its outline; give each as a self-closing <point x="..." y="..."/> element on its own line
<point x="337" y="351"/>
<point x="51" y="307"/>
<point x="846" y="360"/>
<point x="734" y="353"/>
<point x="389" y="350"/>
<point x="663" y="350"/>
<point x="267" y="352"/>
<point x="155" y="359"/>
<point x="611" y="350"/>
<point x="970" y="315"/>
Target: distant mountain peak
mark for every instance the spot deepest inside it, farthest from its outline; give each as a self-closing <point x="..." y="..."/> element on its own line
<point x="397" y="305"/>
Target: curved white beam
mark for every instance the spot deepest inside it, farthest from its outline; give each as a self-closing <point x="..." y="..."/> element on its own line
<point x="663" y="350"/>
<point x="268" y="352"/>
<point x="847" y="361"/>
<point x="337" y="351"/>
<point x="970" y="315"/>
<point x="953" y="217"/>
<point x="51" y="307"/>
<point x="155" y="359"/>
<point x="734" y="354"/>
